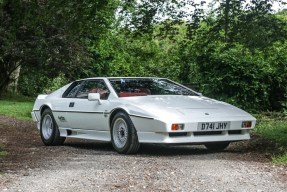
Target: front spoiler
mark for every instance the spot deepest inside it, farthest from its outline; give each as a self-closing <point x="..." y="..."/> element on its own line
<point x="152" y="137"/>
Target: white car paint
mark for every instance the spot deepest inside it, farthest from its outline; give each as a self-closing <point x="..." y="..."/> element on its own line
<point x="152" y="116"/>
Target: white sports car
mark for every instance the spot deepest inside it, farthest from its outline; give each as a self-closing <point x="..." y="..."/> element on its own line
<point x="129" y="111"/>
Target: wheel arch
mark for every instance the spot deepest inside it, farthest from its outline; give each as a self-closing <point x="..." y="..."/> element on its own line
<point x="114" y="112"/>
<point x="54" y="137"/>
<point x="43" y="108"/>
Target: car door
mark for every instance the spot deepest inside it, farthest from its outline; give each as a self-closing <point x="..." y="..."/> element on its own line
<point x="60" y="106"/>
<point x="89" y="115"/>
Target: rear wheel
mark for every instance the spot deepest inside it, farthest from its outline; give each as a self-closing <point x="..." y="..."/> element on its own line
<point x="124" y="135"/>
<point x="49" y="130"/>
<point x="217" y="146"/>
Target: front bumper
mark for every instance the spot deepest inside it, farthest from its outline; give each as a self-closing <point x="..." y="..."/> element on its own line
<point x="35" y="119"/>
<point x="192" y="137"/>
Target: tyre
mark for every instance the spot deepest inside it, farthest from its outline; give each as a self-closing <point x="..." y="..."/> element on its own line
<point x="124" y="134"/>
<point x="49" y="131"/>
<point x="216" y="146"/>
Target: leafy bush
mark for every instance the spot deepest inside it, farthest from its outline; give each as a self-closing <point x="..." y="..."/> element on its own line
<point x="125" y="55"/>
<point x="246" y="79"/>
<point x="277" y="58"/>
<point x="55" y="83"/>
<point x="32" y="83"/>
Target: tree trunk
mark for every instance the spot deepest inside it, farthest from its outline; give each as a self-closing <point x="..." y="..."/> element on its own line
<point x="226" y="18"/>
<point x="13" y="83"/>
<point x="3" y="84"/>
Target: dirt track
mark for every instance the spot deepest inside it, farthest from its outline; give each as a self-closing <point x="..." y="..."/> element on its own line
<point x="90" y="166"/>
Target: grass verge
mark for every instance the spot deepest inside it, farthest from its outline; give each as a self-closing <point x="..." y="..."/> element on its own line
<point x="273" y="126"/>
<point x="17" y="106"/>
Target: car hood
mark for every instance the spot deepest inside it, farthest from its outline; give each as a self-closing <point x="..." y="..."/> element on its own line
<point x="182" y="107"/>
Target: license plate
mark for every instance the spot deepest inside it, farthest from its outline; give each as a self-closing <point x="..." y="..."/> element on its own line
<point x="213" y="126"/>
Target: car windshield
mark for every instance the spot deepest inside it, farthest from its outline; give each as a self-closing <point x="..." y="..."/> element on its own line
<point x="126" y="87"/>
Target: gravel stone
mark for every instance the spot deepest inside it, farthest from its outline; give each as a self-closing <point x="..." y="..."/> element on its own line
<point x="87" y="166"/>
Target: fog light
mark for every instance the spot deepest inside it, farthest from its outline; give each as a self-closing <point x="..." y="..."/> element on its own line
<point x="246" y="124"/>
<point x="175" y="127"/>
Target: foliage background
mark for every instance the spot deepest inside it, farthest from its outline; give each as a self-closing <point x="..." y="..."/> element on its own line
<point x="235" y="51"/>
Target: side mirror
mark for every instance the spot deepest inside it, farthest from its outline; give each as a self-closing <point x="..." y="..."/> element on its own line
<point x="200" y="94"/>
<point x="94" y="97"/>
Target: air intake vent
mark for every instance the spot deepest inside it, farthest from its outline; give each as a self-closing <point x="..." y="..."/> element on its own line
<point x="234" y="132"/>
<point x="207" y="133"/>
<point x="181" y="134"/>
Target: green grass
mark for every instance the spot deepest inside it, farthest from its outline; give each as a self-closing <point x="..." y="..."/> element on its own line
<point x="273" y="126"/>
<point x="2" y="151"/>
<point x="18" y="106"/>
<point x="280" y="159"/>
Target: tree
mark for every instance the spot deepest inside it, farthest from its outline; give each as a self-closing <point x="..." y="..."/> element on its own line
<point x="233" y="55"/>
<point x="50" y="37"/>
<point x="14" y="44"/>
<point x="144" y="16"/>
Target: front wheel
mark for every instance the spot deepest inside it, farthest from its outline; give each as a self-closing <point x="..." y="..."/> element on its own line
<point x="217" y="146"/>
<point x="49" y="131"/>
<point x="124" y="135"/>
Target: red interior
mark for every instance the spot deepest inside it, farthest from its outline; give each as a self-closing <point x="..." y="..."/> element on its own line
<point x="129" y="94"/>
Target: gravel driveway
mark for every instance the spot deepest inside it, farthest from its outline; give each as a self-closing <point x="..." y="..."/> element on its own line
<point x="91" y="166"/>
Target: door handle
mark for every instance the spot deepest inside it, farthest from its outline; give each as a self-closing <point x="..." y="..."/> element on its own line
<point x="71" y="104"/>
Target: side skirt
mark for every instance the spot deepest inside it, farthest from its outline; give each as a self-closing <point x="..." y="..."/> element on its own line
<point x="85" y="134"/>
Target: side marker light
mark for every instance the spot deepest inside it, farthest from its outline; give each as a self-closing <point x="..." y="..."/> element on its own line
<point x="176" y="127"/>
<point x="246" y="124"/>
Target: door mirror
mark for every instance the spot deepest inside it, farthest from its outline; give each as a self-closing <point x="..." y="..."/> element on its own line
<point x="94" y="97"/>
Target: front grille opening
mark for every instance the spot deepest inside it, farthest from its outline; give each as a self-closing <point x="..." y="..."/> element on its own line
<point x="202" y="133"/>
<point x="234" y="132"/>
<point x="180" y="134"/>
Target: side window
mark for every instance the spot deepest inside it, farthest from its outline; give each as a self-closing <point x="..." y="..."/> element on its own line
<point x="93" y="86"/>
<point x="71" y="91"/>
